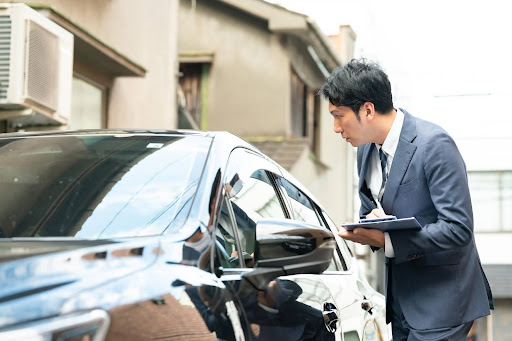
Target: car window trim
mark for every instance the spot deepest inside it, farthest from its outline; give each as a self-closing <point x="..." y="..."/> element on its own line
<point x="345" y="265"/>
<point x="283" y="199"/>
<point x="311" y="201"/>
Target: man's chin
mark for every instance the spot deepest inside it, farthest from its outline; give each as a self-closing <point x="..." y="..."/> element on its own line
<point x="352" y="142"/>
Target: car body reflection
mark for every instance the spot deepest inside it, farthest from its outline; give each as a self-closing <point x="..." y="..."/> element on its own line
<point x="142" y="235"/>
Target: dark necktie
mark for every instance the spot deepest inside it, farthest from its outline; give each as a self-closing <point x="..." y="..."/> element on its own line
<point x="383" y="161"/>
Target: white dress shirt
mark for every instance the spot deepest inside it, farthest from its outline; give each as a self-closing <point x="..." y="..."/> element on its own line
<point x="374" y="173"/>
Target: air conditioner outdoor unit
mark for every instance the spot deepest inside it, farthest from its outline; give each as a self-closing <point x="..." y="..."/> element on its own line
<point x="36" y="68"/>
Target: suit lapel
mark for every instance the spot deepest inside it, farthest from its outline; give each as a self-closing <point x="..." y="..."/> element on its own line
<point x="403" y="156"/>
<point x="367" y="202"/>
<point x="364" y="165"/>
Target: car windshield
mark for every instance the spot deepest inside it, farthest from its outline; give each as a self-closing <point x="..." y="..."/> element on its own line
<point x="98" y="186"/>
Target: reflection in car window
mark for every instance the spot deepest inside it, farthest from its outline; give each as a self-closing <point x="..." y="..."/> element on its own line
<point x="252" y="197"/>
<point x="343" y="250"/>
<point x="301" y="204"/>
<point x="335" y="264"/>
<point x="227" y="250"/>
<point x="257" y="197"/>
<point x="98" y="186"/>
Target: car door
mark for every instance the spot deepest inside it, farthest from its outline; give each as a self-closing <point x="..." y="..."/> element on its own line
<point x="289" y="307"/>
<point x="362" y="308"/>
<point x="351" y="298"/>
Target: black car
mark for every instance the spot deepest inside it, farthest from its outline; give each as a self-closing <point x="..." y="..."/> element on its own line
<point x="151" y="235"/>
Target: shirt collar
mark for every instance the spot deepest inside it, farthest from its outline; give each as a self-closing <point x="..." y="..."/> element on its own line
<point x="391" y="142"/>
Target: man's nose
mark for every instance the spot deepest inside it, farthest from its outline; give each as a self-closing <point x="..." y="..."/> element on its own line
<point x="337" y="128"/>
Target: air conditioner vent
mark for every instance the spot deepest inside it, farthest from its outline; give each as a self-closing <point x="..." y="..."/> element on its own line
<point x="43" y="60"/>
<point x="36" y="68"/>
<point x="5" y="53"/>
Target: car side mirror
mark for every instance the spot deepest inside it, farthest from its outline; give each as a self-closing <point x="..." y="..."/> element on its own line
<point x="287" y="247"/>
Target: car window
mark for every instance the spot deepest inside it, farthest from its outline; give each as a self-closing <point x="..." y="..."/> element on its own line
<point x="302" y="206"/>
<point x="343" y="251"/>
<point x="226" y="237"/>
<point x="335" y="264"/>
<point x="251" y="196"/>
<point x="98" y="186"/>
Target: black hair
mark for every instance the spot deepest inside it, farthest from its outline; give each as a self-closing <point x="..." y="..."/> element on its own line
<point x="358" y="82"/>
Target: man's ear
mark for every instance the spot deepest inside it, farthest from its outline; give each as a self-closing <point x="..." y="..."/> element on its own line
<point x="368" y="110"/>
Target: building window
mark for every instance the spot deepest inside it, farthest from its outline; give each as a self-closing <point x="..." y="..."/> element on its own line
<point x="299" y="101"/>
<point x="491" y="195"/>
<point x="88" y="109"/>
<point x="193" y="106"/>
<point x="305" y="111"/>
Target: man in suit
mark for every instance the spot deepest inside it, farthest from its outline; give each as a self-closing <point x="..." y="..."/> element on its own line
<point x="408" y="167"/>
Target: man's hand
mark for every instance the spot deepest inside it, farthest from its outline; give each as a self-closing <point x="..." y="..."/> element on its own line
<point x="376" y="213"/>
<point x="372" y="237"/>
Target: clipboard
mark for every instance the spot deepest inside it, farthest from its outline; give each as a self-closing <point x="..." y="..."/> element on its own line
<point x="386" y="225"/>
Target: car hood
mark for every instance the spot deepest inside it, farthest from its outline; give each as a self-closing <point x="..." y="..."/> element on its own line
<point x="49" y="277"/>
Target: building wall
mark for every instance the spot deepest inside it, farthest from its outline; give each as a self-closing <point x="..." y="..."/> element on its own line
<point x="249" y="89"/>
<point x="249" y="93"/>
<point x="145" y="32"/>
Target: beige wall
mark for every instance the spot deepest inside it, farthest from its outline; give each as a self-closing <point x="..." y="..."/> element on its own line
<point x="249" y="90"/>
<point x="145" y="32"/>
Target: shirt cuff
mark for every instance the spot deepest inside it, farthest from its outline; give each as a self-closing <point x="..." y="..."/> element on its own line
<point x="388" y="246"/>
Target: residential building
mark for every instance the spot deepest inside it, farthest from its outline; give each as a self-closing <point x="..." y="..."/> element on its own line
<point x="254" y="69"/>
<point x="124" y="65"/>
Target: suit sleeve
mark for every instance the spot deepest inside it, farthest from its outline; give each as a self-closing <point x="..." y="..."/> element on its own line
<point x="446" y="179"/>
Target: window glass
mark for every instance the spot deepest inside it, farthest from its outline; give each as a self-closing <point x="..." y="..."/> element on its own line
<point x="301" y="205"/>
<point x="343" y="250"/>
<point x="335" y="264"/>
<point x="506" y="203"/>
<point x="86" y="105"/>
<point x="252" y="196"/>
<point x="225" y="234"/>
<point x="98" y="186"/>
<point x="486" y="196"/>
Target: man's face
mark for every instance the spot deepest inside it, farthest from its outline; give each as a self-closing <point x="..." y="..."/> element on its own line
<point x="346" y="123"/>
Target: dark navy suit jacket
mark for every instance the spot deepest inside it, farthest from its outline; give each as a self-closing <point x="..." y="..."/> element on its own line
<point x="439" y="280"/>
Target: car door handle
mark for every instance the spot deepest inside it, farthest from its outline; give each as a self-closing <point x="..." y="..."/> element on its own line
<point x="367" y="305"/>
<point x="330" y="314"/>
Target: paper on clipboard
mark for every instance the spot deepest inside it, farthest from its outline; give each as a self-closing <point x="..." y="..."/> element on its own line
<point x="386" y="225"/>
